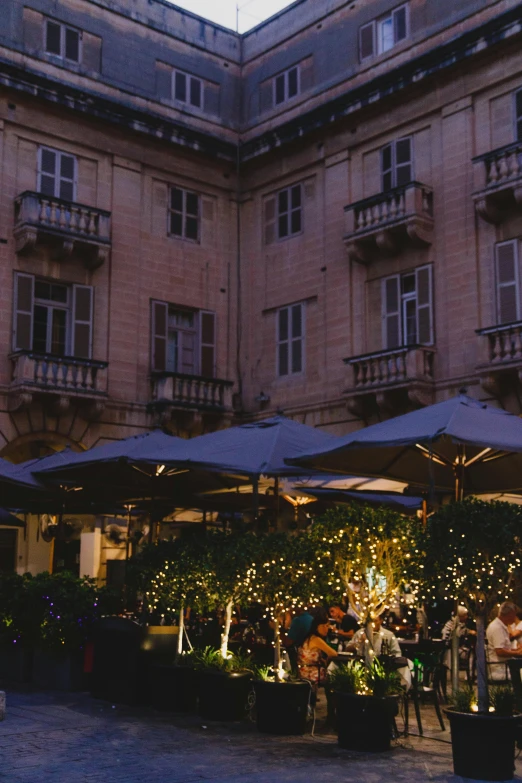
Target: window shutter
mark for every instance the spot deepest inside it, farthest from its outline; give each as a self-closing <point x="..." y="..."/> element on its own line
<point x="207" y="332"/>
<point x="403" y="161"/>
<point x="423" y="277"/>
<point x="367" y="40"/>
<point x="387" y="168"/>
<point x="33" y="30"/>
<point x="280" y="88"/>
<point x="46" y="171"/>
<point x="72" y="45"/>
<point x="53" y="33"/>
<point x="211" y="98"/>
<point x="283" y="334"/>
<point x="392" y="337"/>
<point x="195" y="92"/>
<point x="266" y="96"/>
<point x="159" y="327"/>
<point x="163" y="81"/>
<point x="508" y="299"/>
<point x="297" y="338"/>
<point x="307" y="74"/>
<point x="91" y="52"/>
<point x="82" y="316"/>
<point x="270" y="220"/>
<point x="23" y="312"/>
<point x="518" y="113"/>
<point x="400" y="24"/>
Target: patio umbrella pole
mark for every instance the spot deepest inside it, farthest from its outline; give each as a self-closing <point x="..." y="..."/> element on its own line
<point x="458" y="469"/>
<point x="276" y="492"/>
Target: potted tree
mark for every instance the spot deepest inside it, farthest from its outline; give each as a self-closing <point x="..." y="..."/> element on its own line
<point x="284" y="574"/>
<point x="473" y="556"/>
<point x="373" y="557"/>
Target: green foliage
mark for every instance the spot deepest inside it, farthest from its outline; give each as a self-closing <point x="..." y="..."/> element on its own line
<point x="211" y="658"/>
<point x="374" y="546"/>
<point x="381" y="681"/>
<point x="473" y="553"/>
<point x="463" y="699"/>
<point x="373" y="680"/>
<point x="348" y="678"/>
<point x="502" y="699"/>
<point x="229" y="556"/>
<point x="264" y="673"/>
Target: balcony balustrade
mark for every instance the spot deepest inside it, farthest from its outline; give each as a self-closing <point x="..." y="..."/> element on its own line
<point x="63" y="379"/>
<point x="63" y="226"/>
<point x="385" y="223"/>
<point x="179" y="391"/>
<point x="498" y="182"/>
<point x="408" y="369"/>
<point x="500" y="351"/>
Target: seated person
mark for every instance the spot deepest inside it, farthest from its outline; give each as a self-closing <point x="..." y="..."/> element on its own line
<point x="299" y="627"/>
<point x="347" y="625"/>
<point x="458" y="621"/>
<point x="384" y="643"/>
<point x="314" y="653"/>
<point x="500" y="641"/>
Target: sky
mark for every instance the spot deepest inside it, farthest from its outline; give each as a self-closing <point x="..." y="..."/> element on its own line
<point x="251" y="12"/>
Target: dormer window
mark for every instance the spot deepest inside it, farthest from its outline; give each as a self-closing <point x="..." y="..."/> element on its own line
<point x="62" y="41"/>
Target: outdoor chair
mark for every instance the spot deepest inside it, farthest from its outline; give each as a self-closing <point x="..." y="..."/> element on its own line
<point x="515" y="670"/>
<point x="426" y="686"/>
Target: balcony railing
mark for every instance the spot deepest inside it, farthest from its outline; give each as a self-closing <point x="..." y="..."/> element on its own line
<point x="386" y="222"/>
<point x="192" y="392"/>
<point x="498" y="182"/>
<point x="501" y="345"/>
<point x="390" y="368"/>
<point x="65" y="226"/>
<point x="61" y="374"/>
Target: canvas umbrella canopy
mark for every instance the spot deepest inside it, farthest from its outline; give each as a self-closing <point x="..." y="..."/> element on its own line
<point x="460" y="445"/>
<point x="16" y="489"/>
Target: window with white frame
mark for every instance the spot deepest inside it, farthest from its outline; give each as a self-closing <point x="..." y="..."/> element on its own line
<point x="187" y="88"/>
<point x="57" y="174"/>
<point x="184" y="214"/>
<point x="62" y="41"/>
<point x="397" y="163"/>
<point x="284" y="214"/>
<point x="290" y="340"/>
<point x="183" y="340"/>
<point x="382" y="34"/>
<point x="407" y="309"/>
<point x="507" y="281"/>
<point x="518" y="115"/>
<point x="52" y="318"/>
<point x="286" y="85"/>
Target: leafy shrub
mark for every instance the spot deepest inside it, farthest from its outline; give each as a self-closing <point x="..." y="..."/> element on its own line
<point x="502" y="699"/>
<point x="373" y="680"/>
<point x="463" y="699"/>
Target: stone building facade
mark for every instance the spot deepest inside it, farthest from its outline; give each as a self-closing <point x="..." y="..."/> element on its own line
<point x="321" y="216"/>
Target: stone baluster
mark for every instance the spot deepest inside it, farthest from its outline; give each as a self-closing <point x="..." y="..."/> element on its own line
<point x="88" y="379"/>
<point x="401" y="209"/>
<point x="359" y="219"/>
<point x="92" y="223"/>
<point x="39" y="373"/>
<point x="82" y="225"/>
<point x="52" y="213"/>
<point x="494" y="349"/>
<point x="73" y="220"/>
<point x="62" y="216"/>
<point x="517" y="341"/>
<point x="502" y="167"/>
<point x="43" y="216"/>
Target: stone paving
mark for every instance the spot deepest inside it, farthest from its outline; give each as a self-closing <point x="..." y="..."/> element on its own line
<point x="71" y="738"/>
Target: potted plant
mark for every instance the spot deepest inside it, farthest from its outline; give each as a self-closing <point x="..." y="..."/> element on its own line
<point x="366" y="702"/>
<point x="473" y="556"/>
<point x="224" y="684"/>
<point x="284" y="574"/>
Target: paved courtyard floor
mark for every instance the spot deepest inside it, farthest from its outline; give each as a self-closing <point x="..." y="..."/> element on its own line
<point x="71" y="738"/>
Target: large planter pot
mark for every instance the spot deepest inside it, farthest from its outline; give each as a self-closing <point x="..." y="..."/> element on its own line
<point x="160" y="640"/>
<point x="365" y="722"/>
<point x="58" y="671"/>
<point x="16" y="662"/>
<point x="483" y="745"/>
<point x="173" y="688"/>
<point x="282" y="707"/>
<point x="118" y="663"/>
<point x="223" y="695"/>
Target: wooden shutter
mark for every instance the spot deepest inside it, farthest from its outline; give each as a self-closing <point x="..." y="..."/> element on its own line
<point x="266" y="96"/>
<point x="283" y="343"/>
<point x="270" y="219"/>
<point x="211" y="95"/>
<point x="391" y="302"/>
<point x="424" y="287"/>
<point x="307" y="74"/>
<point x="400" y="24"/>
<point x="33" y="30"/>
<point x="159" y="326"/>
<point x="82" y="321"/>
<point x="91" y="52"/>
<point x="367" y="40"/>
<point x="297" y="334"/>
<point x="23" y="312"/>
<point x="403" y="161"/>
<point x="163" y="81"/>
<point x="207" y="343"/>
<point x="518" y="115"/>
<point x="508" y="298"/>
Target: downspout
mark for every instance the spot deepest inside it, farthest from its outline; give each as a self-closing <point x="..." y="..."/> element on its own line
<point x="239" y="398"/>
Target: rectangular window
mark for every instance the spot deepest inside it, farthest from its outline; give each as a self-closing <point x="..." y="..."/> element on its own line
<point x="397" y="163"/>
<point x="407" y="309"/>
<point x="56" y="174"/>
<point x="62" y="41"/>
<point x="187" y="88"/>
<point x="284" y="214"/>
<point x="52" y="318"/>
<point x="184" y="214"/>
<point x="183" y="340"/>
<point x="286" y="85"/>
<point x="290" y="340"/>
<point x="507" y="281"/>
<point x="381" y="35"/>
<point x="518" y="115"/>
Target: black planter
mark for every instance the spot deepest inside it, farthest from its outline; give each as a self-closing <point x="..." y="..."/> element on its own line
<point x="365" y="722"/>
<point x="224" y="696"/>
<point x="58" y="671"/>
<point x="282" y="707"/>
<point x="118" y="663"/>
<point x="172" y="688"/>
<point x="16" y="662"/>
<point x="483" y="745"/>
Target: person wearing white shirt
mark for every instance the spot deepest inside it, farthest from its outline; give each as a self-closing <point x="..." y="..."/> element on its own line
<point x="384" y="643"/>
<point x="499" y="641"/>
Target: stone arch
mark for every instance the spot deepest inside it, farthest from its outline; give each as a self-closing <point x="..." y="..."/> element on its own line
<point x="37" y="444"/>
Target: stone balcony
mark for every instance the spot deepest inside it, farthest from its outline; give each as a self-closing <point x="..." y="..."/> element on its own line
<point x="192" y="394"/>
<point x="60" y="381"/>
<point x="388" y="222"/>
<point x="497" y="178"/>
<point x="500" y="351"/>
<point x="390" y="379"/>
<point x="64" y="227"/>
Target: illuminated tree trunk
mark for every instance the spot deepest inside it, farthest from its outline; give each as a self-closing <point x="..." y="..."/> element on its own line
<point x="277" y="651"/>
<point x="181" y="626"/>
<point x="369" y="651"/>
<point x="482" y="679"/>
<point x="226" y="629"/>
